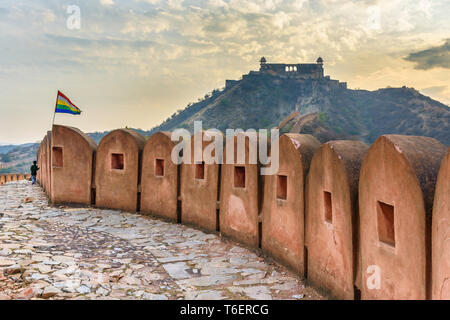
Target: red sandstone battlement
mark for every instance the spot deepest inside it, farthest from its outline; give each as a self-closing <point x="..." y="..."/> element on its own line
<point x="335" y="213"/>
<point x="10" y="177"/>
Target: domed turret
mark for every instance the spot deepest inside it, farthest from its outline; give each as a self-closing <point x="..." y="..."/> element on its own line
<point x="262" y="61"/>
<point x="319" y="60"/>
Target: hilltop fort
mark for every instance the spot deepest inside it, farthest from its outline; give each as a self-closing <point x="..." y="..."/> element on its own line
<point x="330" y="110"/>
<point x="298" y="71"/>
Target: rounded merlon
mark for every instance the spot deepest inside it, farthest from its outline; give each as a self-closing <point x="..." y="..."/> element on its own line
<point x="441" y="234"/>
<point x="332" y="216"/>
<point x="117" y="169"/>
<point x="396" y="189"/>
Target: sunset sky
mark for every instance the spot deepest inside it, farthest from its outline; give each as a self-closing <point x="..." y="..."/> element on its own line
<point x="135" y="62"/>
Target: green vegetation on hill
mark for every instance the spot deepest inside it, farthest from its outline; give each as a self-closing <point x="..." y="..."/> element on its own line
<point x="18" y="159"/>
<point x="329" y="112"/>
<point x="263" y="101"/>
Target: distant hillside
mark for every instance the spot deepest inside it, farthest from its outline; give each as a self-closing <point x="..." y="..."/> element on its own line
<point x="17" y="159"/>
<point x="263" y="101"/>
<point x="7" y="148"/>
<point x="329" y="111"/>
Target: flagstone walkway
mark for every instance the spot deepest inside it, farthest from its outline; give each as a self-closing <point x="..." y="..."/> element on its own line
<point x="86" y="253"/>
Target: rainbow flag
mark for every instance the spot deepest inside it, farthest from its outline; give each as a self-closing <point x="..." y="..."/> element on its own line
<point x="64" y="105"/>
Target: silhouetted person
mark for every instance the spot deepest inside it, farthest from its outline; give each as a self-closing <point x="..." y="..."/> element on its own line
<point x="34" y="169"/>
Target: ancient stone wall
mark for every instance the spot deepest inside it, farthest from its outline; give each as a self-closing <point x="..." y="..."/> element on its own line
<point x="48" y="163"/>
<point x="240" y="196"/>
<point x="10" y="177"/>
<point x="396" y="191"/>
<point x="160" y="178"/>
<point x="42" y="164"/>
<point x="283" y="205"/>
<point x="38" y="158"/>
<point x="71" y="165"/>
<point x="117" y="170"/>
<point x="363" y="214"/>
<point x="441" y="234"/>
<point x="200" y="186"/>
<point x="332" y="216"/>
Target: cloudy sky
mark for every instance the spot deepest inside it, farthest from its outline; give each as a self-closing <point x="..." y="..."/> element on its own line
<point x="135" y="62"/>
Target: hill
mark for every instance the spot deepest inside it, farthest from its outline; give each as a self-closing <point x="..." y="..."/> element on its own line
<point x="17" y="159"/>
<point x="331" y="111"/>
<point x="263" y="99"/>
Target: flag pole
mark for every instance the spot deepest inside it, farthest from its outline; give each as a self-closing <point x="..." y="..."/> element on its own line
<point x="54" y="111"/>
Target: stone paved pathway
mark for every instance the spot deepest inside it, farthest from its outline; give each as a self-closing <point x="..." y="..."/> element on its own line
<point x="85" y="253"/>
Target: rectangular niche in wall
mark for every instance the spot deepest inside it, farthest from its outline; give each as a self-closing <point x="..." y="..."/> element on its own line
<point x="159" y="167"/>
<point x="281" y="187"/>
<point x="200" y="170"/>
<point x="117" y="161"/>
<point x="385" y="219"/>
<point x="57" y="153"/>
<point x="328" y="206"/>
<point x="239" y="177"/>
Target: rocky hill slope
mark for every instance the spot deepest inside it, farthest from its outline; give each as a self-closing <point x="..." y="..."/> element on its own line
<point x="329" y="111"/>
<point x="332" y="112"/>
<point x="17" y="159"/>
